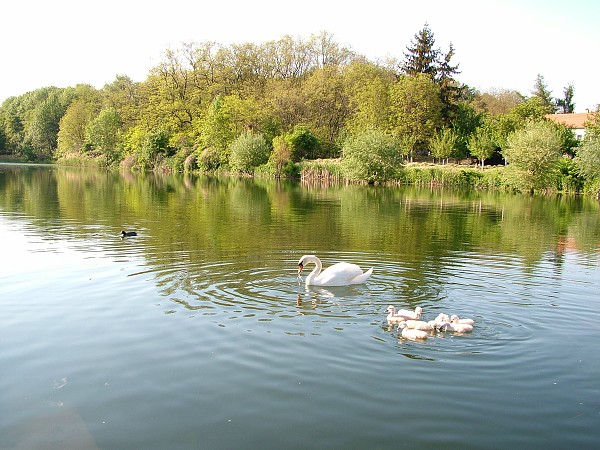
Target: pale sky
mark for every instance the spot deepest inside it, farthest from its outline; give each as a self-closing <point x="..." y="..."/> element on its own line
<point x="499" y="44"/>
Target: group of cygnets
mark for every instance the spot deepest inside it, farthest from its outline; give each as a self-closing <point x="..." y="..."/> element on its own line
<point x="410" y="325"/>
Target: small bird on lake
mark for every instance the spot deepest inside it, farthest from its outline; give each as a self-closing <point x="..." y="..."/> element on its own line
<point x="455" y="319"/>
<point x="403" y="314"/>
<point x="392" y="317"/>
<point x="442" y="317"/>
<point x="456" y="327"/>
<point x="411" y="333"/>
<point x="420" y="325"/>
<point x="128" y="234"/>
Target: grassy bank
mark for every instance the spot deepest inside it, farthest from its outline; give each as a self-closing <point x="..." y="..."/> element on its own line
<point x="565" y="179"/>
<point x="11" y="159"/>
<point x="326" y="171"/>
<point x="417" y="173"/>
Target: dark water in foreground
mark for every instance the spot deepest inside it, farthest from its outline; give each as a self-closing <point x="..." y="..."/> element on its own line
<point x="197" y="333"/>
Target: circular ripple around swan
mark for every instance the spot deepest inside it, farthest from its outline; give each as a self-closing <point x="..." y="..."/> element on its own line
<point x="490" y="289"/>
<point x="269" y="287"/>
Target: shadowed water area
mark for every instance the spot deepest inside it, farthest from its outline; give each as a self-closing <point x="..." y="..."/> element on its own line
<point x="198" y="332"/>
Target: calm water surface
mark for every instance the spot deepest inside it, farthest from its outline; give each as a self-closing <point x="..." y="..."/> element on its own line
<point x="197" y="333"/>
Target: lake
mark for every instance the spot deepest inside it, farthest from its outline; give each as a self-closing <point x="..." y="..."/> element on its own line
<point x="199" y="333"/>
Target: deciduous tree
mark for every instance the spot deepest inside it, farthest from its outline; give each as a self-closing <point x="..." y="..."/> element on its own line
<point x="367" y="89"/>
<point x="73" y="124"/>
<point x="482" y="145"/>
<point x="415" y="108"/>
<point x="248" y="151"/>
<point x="327" y="105"/>
<point x="497" y="101"/>
<point x="443" y="143"/>
<point x="588" y="158"/>
<point x="103" y="133"/>
<point x="533" y="153"/>
<point x="372" y="156"/>
<point x="303" y="144"/>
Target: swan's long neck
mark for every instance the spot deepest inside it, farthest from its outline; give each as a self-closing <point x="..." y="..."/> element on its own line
<point x="315" y="272"/>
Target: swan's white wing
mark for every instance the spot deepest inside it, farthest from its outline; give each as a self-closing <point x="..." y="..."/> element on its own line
<point x="340" y="274"/>
<point x="362" y="277"/>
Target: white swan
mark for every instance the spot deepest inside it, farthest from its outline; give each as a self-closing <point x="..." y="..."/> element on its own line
<point x="340" y="274"/>
<point x="404" y="314"/>
<point x="411" y="333"/>
<point x="455" y="319"/>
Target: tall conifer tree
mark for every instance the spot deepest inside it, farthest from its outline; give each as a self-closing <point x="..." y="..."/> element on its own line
<point x="423" y="57"/>
<point x="541" y="91"/>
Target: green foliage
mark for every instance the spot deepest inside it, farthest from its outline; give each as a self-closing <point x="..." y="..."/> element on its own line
<point x="303" y="144"/>
<point x="124" y="95"/>
<point x="43" y="125"/>
<point x="443" y="143"/>
<point x="452" y="175"/>
<point x="407" y="144"/>
<point x="568" y="177"/>
<point x="215" y="130"/>
<point x="72" y="128"/>
<point x="533" y="154"/>
<point x="326" y="106"/>
<point x="366" y="87"/>
<point x="592" y="126"/>
<point x="500" y="127"/>
<point x="588" y="158"/>
<point x="565" y="105"/>
<point x="421" y="56"/>
<point x="482" y="144"/>
<point x="569" y="141"/>
<point x="248" y="151"/>
<point x="281" y="156"/>
<point x="496" y="101"/>
<point x="102" y="135"/>
<point x="466" y="120"/>
<point x="415" y="109"/>
<point x="209" y="160"/>
<point x="3" y="140"/>
<point x="304" y="96"/>
<point x="543" y="95"/>
<point x="30" y="122"/>
<point x="371" y="156"/>
<point x="328" y="170"/>
<point x="533" y="109"/>
<point x="148" y="148"/>
<point x="176" y="162"/>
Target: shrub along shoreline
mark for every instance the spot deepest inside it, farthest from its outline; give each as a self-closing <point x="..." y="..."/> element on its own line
<point x="454" y="175"/>
<point x="418" y="173"/>
<point x="331" y="171"/>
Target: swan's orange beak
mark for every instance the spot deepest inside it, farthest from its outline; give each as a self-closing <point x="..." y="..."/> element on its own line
<point x="300" y="267"/>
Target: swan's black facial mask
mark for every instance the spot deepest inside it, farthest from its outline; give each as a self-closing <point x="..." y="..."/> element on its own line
<point x="300" y="267"/>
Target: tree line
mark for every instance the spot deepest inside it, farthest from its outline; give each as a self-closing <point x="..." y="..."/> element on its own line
<point x="210" y="107"/>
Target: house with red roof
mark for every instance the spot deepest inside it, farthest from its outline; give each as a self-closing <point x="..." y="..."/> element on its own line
<point x="576" y="122"/>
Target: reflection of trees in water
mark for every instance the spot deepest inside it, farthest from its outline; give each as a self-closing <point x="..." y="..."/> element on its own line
<point x="419" y="226"/>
